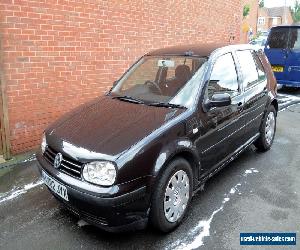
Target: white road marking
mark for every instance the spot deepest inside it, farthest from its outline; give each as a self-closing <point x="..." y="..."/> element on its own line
<point x="15" y="193"/>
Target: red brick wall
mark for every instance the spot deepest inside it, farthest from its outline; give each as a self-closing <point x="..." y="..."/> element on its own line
<point x="58" y="54"/>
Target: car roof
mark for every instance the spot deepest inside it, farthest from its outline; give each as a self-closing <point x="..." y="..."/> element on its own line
<point x="198" y="50"/>
<point x="286" y="26"/>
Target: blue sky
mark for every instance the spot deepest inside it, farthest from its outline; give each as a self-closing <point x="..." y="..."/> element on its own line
<point x="276" y="3"/>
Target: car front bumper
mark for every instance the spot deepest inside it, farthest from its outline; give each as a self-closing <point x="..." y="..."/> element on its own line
<point x="117" y="208"/>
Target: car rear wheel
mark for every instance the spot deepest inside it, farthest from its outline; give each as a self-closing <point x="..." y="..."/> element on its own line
<point x="172" y="195"/>
<point x="268" y="129"/>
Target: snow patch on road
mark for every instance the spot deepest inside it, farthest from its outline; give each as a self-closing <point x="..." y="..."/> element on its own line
<point x="288" y="98"/>
<point x="195" y="237"/>
<point x="287" y="101"/>
<point x="17" y="192"/>
<point x="82" y="223"/>
<point x="250" y="171"/>
<point x="31" y="158"/>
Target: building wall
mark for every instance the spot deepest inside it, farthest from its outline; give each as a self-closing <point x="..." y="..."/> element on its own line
<point x="265" y="26"/>
<point x="251" y="19"/>
<point x="58" y="54"/>
<point x="289" y="19"/>
<point x="269" y="21"/>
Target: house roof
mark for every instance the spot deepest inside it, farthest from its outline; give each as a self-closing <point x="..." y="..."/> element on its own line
<point x="277" y="11"/>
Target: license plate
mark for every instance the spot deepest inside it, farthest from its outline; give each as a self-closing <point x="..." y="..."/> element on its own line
<point x="277" y="68"/>
<point x="55" y="186"/>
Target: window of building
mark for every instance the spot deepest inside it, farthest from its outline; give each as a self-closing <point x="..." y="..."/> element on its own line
<point x="275" y="20"/>
<point x="261" y="20"/>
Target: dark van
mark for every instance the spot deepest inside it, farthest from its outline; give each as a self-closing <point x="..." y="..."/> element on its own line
<point x="283" y="51"/>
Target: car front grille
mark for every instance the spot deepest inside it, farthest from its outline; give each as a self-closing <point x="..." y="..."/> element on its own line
<point x="68" y="166"/>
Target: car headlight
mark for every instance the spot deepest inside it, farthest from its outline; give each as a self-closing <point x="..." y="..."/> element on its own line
<point x="44" y="143"/>
<point x="100" y="172"/>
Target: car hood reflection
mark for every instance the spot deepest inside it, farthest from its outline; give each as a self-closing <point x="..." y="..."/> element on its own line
<point x="107" y="126"/>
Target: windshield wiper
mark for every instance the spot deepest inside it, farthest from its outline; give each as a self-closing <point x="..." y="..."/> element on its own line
<point x="167" y="105"/>
<point x="128" y="99"/>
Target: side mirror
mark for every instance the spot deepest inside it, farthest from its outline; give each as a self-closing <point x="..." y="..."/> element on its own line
<point x="218" y="100"/>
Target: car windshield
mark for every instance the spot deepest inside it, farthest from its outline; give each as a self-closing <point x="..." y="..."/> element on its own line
<point x="162" y="80"/>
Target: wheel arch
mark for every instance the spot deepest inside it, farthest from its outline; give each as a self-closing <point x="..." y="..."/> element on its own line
<point x="274" y="102"/>
<point x="186" y="153"/>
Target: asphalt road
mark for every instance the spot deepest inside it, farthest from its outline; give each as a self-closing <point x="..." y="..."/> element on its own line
<point x="258" y="192"/>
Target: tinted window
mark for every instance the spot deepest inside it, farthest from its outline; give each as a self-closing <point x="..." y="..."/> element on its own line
<point x="259" y="67"/>
<point x="248" y="67"/>
<point x="295" y="38"/>
<point x="223" y="77"/>
<point x="278" y="38"/>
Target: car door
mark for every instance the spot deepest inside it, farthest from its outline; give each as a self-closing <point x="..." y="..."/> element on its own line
<point x="255" y="90"/>
<point x="222" y="128"/>
<point x="293" y="56"/>
<point x="276" y="50"/>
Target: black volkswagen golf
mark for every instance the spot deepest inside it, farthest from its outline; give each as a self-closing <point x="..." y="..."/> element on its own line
<point x="172" y="121"/>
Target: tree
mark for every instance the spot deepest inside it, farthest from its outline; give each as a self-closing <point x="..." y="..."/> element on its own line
<point x="246" y="10"/>
<point x="296" y="12"/>
<point x="261" y="3"/>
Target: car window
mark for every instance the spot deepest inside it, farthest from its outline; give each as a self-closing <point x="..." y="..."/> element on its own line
<point x="295" y="38"/>
<point x="223" y="77"/>
<point x="259" y="67"/>
<point x="278" y="38"/>
<point x="162" y="79"/>
<point x="248" y="67"/>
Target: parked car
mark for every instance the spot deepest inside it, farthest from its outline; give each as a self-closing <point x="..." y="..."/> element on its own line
<point x="173" y="120"/>
<point x="259" y="42"/>
<point x="283" y="51"/>
<point x="264" y="33"/>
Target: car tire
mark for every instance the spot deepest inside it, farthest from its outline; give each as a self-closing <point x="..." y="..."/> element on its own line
<point x="267" y="130"/>
<point x="169" y="198"/>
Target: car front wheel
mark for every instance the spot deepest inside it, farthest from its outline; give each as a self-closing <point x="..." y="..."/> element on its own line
<point x="268" y="129"/>
<point x="172" y="195"/>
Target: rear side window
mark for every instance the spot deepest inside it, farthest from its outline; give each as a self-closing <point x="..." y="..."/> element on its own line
<point x="259" y="67"/>
<point x="223" y="77"/>
<point x="278" y="38"/>
<point x="295" y="38"/>
<point x="248" y="67"/>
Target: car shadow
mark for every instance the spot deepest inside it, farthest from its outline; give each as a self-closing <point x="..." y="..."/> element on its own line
<point x="289" y="91"/>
